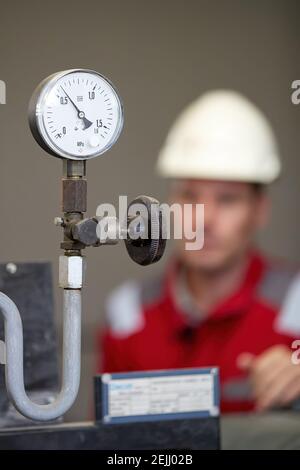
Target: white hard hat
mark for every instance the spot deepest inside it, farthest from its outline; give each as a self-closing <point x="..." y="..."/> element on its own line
<point x="222" y="136"/>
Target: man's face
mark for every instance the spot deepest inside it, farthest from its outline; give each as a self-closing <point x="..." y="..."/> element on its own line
<point x="233" y="212"/>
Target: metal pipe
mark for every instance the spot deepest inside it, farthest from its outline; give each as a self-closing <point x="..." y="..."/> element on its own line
<point x="14" y="373"/>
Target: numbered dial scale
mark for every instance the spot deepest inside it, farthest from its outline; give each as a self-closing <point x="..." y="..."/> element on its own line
<point x="76" y="114"/>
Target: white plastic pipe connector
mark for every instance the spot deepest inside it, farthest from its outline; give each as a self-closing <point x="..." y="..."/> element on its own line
<point x="14" y="372"/>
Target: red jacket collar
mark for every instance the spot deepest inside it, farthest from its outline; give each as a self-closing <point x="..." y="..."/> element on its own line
<point x="234" y="304"/>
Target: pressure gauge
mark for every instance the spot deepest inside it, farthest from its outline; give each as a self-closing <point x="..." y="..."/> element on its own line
<point x="76" y="114"/>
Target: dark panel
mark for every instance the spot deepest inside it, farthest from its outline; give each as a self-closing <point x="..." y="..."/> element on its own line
<point x="30" y="287"/>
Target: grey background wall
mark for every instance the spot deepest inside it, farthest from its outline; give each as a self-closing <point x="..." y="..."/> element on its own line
<point x="160" y="55"/>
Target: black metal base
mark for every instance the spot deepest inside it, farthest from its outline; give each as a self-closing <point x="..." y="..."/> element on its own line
<point x="177" y="434"/>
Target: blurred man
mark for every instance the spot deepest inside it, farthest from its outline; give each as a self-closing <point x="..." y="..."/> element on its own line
<point x="226" y="304"/>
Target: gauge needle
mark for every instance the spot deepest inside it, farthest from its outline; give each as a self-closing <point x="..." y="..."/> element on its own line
<point x="81" y="114"/>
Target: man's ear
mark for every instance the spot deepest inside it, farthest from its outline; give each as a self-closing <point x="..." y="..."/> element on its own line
<point x="263" y="209"/>
<point x="172" y="192"/>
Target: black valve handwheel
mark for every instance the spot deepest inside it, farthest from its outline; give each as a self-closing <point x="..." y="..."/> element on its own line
<point x="145" y="251"/>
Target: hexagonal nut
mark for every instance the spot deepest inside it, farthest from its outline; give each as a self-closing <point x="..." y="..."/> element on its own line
<point x="71" y="272"/>
<point x="85" y="231"/>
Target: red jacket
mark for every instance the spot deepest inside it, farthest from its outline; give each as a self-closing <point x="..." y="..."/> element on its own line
<point x="147" y="329"/>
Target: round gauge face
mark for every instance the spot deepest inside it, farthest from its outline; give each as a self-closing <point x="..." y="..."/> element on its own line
<point x="76" y="114"/>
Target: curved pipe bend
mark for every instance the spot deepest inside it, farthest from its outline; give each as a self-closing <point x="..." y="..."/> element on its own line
<point x="14" y="373"/>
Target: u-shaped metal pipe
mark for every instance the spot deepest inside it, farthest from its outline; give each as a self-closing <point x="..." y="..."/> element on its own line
<point x="14" y="373"/>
